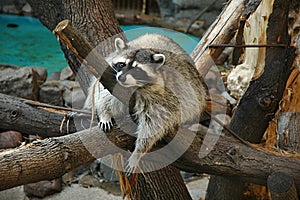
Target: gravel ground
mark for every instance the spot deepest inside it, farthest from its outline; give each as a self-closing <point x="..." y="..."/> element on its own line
<point x="197" y="190"/>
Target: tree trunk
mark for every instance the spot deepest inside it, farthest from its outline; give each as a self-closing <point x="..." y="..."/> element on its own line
<point x="260" y="102"/>
<point x="96" y="21"/>
<point x="164" y="192"/>
<point x="282" y="187"/>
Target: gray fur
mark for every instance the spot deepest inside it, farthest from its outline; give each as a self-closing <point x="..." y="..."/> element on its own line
<point x="170" y="91"/>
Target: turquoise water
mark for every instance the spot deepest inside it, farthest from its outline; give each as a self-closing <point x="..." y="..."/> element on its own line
<point x="32" y="44"/>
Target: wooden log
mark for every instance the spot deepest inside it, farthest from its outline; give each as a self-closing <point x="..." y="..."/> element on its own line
<point x="175" y="179"/>
<point x="59" y="155"/>
<point x="17" y="115"/>
<point x="282" y="186"/>
<point x="260" y="102"/>
<point x="220" y="32"/>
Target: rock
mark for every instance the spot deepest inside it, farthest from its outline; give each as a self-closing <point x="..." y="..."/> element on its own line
<point x="108" y="173"/>
<point x="53" y="76"/>
<point x="9" y="9"/>
<point x="76" y="174"/>
<point x="7" y="68"/>
<point x="43" y="188"/>
<point x="17" y="7"/>
<point x="62" y="93"/>
<point x="51" y="92"/>
<point x="21" y="82"/>
<point x="10" y="139"/>
<point x="67" y="74"/>
<point x="27" y="8"/>
<point x="73" y="95"/>
<point x="42" y="74"/>
<point x="197" y="187"/>
<point x="89" y="181"/>
<point x="186" y="175"/>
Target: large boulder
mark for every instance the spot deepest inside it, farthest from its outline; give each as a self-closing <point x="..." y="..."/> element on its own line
<point x="10" y="139"/>
<point x="73" y="95"/>
<point x="19" y="82"/>
<point x="51" y="92"/>
<point x="67" y="74"/>
<point x="62" y="93"/>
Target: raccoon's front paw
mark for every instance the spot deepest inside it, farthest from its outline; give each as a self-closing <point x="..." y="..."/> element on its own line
<point x="105" y="123"/>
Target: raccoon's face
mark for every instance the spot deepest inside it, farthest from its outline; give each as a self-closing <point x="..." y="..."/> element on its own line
<point x="136" y="67"/>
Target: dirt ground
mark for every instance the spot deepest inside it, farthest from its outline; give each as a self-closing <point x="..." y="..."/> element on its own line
<point x="197" y="189"/>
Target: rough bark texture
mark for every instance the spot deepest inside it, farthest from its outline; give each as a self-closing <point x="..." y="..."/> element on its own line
<point x="94" y="19"/>
<point x="58" y="155"/>
<point x="21" y="116"/>
<point x="220" y="32"/>
<point x="282" y="186"/>
<point x="261" y="100"/>
<point x="164" y="192"/>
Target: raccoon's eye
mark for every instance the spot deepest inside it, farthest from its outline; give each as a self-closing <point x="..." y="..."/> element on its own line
<point x="119" y="66"/>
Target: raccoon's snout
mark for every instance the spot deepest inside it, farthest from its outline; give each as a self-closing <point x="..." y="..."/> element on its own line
<point x="125" y="80"/>
<point x="121" y="78"/>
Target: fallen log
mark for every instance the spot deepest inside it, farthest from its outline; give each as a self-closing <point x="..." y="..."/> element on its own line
<point x="59" y="155"/>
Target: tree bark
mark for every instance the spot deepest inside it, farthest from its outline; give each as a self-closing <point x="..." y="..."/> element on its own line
<point x="59" y="155"/>
<point x="96" y="21"/>
<point x="220" y="32"/>
<point x="261" y="100"/>
<point x="282" y="186"/>
<point x="164" y="192"/>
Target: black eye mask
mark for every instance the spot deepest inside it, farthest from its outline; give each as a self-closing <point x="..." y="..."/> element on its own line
<point x="118" y="66"/>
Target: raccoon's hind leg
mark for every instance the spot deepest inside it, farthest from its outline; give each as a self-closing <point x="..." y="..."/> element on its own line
<point x="151" y="128"/>
<point x="141" y="148"/>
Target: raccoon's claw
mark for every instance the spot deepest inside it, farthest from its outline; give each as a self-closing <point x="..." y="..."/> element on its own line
<point x="105" y="123"/>
<point x="105" y="126"/>
<point x="130" y="169"/>
<point x="132" y="164"/>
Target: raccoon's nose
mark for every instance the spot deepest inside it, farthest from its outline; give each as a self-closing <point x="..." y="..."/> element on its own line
<point x="121" y="78"/>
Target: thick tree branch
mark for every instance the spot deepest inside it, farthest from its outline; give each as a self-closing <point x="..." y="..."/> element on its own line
<point x="220" y="32"/>
<point x="59" y="155"/>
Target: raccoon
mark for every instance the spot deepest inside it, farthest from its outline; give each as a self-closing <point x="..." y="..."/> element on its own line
<point x="168" y="90"/>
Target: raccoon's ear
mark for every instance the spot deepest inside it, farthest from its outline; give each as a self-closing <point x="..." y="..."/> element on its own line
<point x="120" y="44"/>
<point x="159" y="59"/>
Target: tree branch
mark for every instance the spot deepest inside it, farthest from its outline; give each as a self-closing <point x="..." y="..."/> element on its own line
<point x="59" y="155"/>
